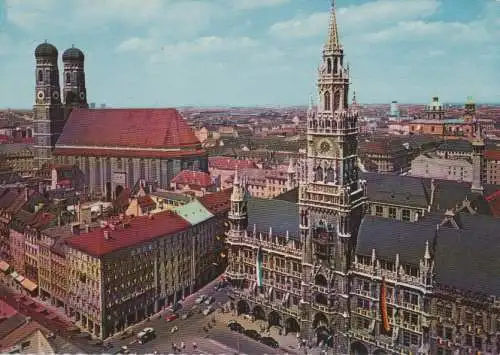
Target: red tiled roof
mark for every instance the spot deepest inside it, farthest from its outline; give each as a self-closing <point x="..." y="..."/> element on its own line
<point x="492" y="154"/>
<point x="217" y="202"/>
<point x="225" y="163"/>
<point x="126" y="153"/>
<point x="145" y="201"/>
<point x="140" y="230"/>
<point x="197" y="178"/>
<point x="136" y="128"/>
<point x="494" y="203"/>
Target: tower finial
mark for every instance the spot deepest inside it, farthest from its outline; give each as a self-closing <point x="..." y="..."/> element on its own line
<point x="333" y="42"/>
<point x="311" y="102"/>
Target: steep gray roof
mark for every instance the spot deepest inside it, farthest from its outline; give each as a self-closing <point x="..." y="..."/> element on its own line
<point x="468" y="258"/>
<point x="279" y="215"/>
<point x="390" y="237"/>
<point x="397" y="189"/>
<point x="456" y="145"/>
<point x="416" y="191"/>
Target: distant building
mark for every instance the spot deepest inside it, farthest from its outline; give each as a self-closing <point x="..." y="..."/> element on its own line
<point x="433" y="166"/>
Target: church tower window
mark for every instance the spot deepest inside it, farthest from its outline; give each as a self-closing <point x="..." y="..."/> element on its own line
<point x="329" y="66"/>
<point x="68" y="78"/>
<point x="40" y="76"/>
<point x="327" y="103"/>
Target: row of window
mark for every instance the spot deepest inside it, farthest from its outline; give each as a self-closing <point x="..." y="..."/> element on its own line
<point x="392" y="213"/>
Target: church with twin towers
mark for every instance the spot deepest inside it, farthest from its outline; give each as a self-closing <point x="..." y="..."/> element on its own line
<point x="115" y="148"/>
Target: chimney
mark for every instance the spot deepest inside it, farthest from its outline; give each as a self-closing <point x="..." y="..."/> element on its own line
<point x="26" y="194"/>
<point x="107" y="235"/>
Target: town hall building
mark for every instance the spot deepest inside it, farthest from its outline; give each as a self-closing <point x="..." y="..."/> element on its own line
<point x="423" y="279"/>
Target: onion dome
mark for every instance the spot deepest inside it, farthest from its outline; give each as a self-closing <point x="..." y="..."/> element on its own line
<point x="73" y="54"/>
<point x="46" y="50"/>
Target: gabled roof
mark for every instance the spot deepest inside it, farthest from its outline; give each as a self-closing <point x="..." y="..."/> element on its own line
<point x="194" y="212"/>
<point x="456" y="145"/>
<point x="131" y="128"/>
<point x="225" y="163"/>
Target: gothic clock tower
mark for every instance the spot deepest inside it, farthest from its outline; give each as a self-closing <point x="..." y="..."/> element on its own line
<point x="331" y="195"/>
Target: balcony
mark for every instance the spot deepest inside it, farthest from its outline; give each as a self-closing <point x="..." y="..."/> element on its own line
<point x="277" y="248"/>
<point x="363" y="311"/>
<point x="322" y="289"/>
<point x="410" y="306"/>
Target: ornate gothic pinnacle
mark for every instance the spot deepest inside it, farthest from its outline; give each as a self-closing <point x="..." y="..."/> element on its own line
<point x="333" y="42"/>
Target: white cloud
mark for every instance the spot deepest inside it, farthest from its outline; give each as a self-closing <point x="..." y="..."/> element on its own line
<point x="417" y="30"/>
<point x="203" y="45"/>
<point x="136" y="44"/>
<point x="355" y="18"/>
<point x="255" y="4"/>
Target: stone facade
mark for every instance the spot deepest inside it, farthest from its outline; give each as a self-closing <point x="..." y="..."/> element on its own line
<point x="426" y="165"/>
<point x="109" y="176"/>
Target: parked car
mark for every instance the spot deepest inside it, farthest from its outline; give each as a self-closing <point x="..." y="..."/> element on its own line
<point x="200" y="299"/>
<point x="269" y="341"/>
<point x="171" y="317"/>
<point x="208" y="310"/>
<point x="186" y="315"/>
<point x="209" y="300"/>
<point x="252" y="333"/>
<point x="236" y="327"/>
<point x="146" y="335"/>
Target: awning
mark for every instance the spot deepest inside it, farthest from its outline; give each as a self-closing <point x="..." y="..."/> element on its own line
<point x="14" y="274"/>
<point x="4" y="266"/>
<point x="29" y="285"/>
<point x="20" y="278"/>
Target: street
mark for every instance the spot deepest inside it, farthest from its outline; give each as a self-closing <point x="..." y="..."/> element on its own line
<point x="218" y="340"/>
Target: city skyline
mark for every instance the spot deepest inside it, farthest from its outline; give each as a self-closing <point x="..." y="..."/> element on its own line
<point x="255" y="52"/>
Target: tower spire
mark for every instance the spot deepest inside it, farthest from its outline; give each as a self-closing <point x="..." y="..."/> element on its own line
<point x="333" y="41"/>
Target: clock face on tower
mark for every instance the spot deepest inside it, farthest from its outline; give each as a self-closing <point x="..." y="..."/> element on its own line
<point x="324" y="147"/>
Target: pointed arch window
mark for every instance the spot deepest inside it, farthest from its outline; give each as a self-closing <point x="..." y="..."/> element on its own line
<point x="336" y="101"/>
<point x="40" y="75"/>
<point x="318" y="176"/>
<point x="335" y="66"/>
<point x="68" y="78"/>
<point x="329" y="65"/>
<point x="327" y="101"/>
<point x="330" y="175"/>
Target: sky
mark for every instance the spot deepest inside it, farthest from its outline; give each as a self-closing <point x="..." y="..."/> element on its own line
<point x="174" y="53"/>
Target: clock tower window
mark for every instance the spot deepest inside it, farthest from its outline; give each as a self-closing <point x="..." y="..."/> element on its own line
<point x="318" y="176"/>
<point x="330" y="175"/>
<point x="336" y="101"/>
<point x="327" y="103"/>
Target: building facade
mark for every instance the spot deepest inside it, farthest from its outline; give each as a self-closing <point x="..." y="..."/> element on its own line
<point x="435" y="167"/>
<point x="129" y="268"/>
